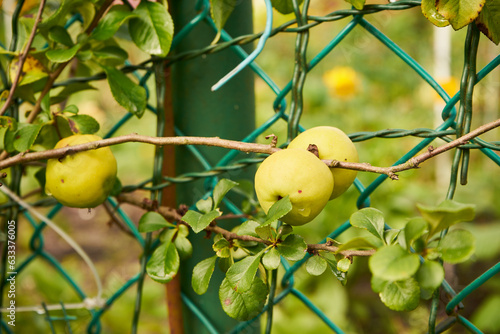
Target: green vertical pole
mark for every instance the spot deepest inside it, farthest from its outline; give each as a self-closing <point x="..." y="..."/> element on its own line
<point x="227" y="113"/>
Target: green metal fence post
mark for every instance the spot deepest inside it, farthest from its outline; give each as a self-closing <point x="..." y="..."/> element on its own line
<point x="226" y="113"/>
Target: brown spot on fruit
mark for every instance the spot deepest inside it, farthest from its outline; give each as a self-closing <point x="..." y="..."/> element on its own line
<point x="300" y="191"/>
<point x="62" y="180"/>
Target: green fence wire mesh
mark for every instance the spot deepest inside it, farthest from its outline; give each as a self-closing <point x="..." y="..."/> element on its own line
<point x="451" y="125"/>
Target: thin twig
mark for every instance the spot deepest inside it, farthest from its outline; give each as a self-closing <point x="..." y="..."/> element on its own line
<point x="22" y="58"/>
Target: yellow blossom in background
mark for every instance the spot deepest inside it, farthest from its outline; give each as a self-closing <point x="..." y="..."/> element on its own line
<point x="451" y="86"/>
<point x="342" y="81"/>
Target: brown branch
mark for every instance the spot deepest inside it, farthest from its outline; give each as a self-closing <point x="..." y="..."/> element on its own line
<point x="22" y="58"/>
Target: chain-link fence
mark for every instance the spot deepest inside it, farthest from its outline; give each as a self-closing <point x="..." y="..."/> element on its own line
<point x="38" y="217"/>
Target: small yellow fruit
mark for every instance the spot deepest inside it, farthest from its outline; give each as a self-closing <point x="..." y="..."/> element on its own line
<point x="333" y="144"/>
<point x="83" y="179"/>
<point x="300" y="175"/>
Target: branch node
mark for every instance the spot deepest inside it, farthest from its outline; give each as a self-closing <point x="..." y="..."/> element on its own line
<point x="274" y="139"/>
<point x="313" y="149"/>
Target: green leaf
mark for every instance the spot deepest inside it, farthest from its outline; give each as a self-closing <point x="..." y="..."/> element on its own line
<point x="62" y="55"/>
<point x="293" y="248"/>
<point x="378" y="284"/>
<point x="205" y="205"/>
<point x="393" y="263"/>
<point x="284" y="6"/>
<point x="369" y="219"/>
<point x="25" y="137"/>
<point x="457" y="246"/>
<point x="220" y="11"/>
<point x="60" y="35"/>
<point x="356" y="243"/>
<point x="391" y="235"/>
<point x="414" y="229"/>
<point x="278" y="210"/>
<point x="401" y="295"/>
<point x="245" y="305"/>
<point x="332" y="264"/>
<point x="184" y="247"/>
<point x="248" y="228"/>
<point x="83" y="124"/>
<point x="430" y="12"/>
<point x="72" y="109"/>
<point x="152" y="28"/>
<point x="241" y="274"/>
<point x="198" y="221"/>
<point x="459" y="12"/>
<point x="265" y="232"/>
<point x="221" y="189"/>
<point x="127" y="93"/>
<point x="202" y="273"/>
<point x="272" y="259"/>
<point x="446" y="214"/>
<point x="429" y="276"/>
<point x="111" y="52"/>
<point x="358" y="4"/>
<point x="488" y="21"/>
<point x="316" y="265"/>
<point x="344" y="264"/>
<point x="222" y="248"/>
<point x="111" y="22"/>
<point x="153" y="221"/>
<point x="164" y="263"/>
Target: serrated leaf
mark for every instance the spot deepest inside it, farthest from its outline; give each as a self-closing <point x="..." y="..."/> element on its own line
<point x="371" y="220"/>
<point x="152" y="221"/>
<point x="152" y="28"/>
<point x="446" y="214"/>
<point x="459" y="12"/>
<point x="401" y="295"/>
<point x="356" y="243"/>
<point x="111" y="22"/>
<point x="429" y="276"/>
<point x="293" y="248"/>
<point x="62" y="55"/>
<point x="457" y="246"/>
<point x="285" y="229"/>
<point x="202" y="273"/>
<point x="358" y="4"/>
<point x="241" y="274"/>
<point x="184" y="247"/>
<point x="393" y="263"/>
<point x="221" y="10"/>
<point x="278" y="210"/>
<point x="198" y="221"/>
<point x="430" y="12"/>
<point x="284" y="6"/>
<point x="83" y="124"/>
<point x="127" y="93"/>
<point x="272" y="259"/>
<point x="25" y="137"/>
<point x="221" y="189"/>
<point x="164" y="263"/>
<point x="205" y="205"/>
<point x="316" y="265"/>
<point x="240" y="305"/>
<point x="488" y="21"/>
<point x="414" y="229"/>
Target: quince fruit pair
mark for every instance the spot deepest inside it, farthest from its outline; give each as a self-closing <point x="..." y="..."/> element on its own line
<point x="300" y="174"/>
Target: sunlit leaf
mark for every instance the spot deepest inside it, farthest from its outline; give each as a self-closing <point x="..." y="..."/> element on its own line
<point x="153" y="221"/>
<point x="370" y="219"/>
<point x="393" y="263"/>
<point x="202" y="273"/>
<point x="457" y="246"/>
<point x="401" y="295"/>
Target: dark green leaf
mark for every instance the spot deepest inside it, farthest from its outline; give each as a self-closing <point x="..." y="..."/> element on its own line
<point x="285" y="229"/>
<point x="272" y="259"/>
<point x="152" y="28"/>
<point x="25" y="137"/>
<point x="241" y="274"/>
<point x="401" y="295"/>
<point x="489" y="20"/>
<point x="62" y="55"/>
<point x="221" y="10"/>
<point x="221" y="189"/>
<point x="316" y="265"/>
<point x="127" y="93"/>
<point x="60" y="35"/>
<point x="370" y="219"/>
<point x="459" y="12"/>
<point x="111" y="22"/>
<point x="202" y="273"/>
<point x="111" y="52"/>
<point x="446" y="214"/>
<point x="393" y="263"/>
<point x="153" y="221"/>
<point x="243" y="305"/>
<point x="278" y="210"/>
<point x="164" y="263"/>
<point x="284" y="6"/>
<point x="457" y="246"/>
<point x="265" y="232"/>
<point x="293" y="248"/>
